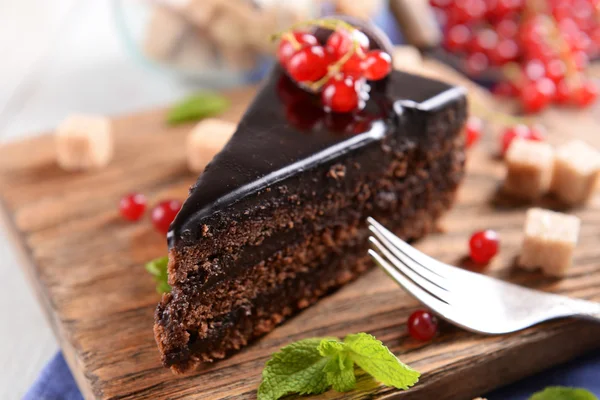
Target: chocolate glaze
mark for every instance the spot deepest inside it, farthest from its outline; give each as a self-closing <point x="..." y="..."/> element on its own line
<point x="285" y="132"/>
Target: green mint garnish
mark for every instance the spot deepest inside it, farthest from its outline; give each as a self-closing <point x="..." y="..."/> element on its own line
<point x="379" y="362"/>
<point x="311" y="366"/>
<point x="196" y="107"/>
<point x="563" y="393"/>
<point x="158" y="269"/>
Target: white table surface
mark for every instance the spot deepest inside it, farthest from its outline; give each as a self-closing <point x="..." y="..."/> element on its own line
<point x="58" y="57"/>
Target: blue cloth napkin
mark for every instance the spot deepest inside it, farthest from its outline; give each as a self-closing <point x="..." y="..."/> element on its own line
<point x="56" y="382"/>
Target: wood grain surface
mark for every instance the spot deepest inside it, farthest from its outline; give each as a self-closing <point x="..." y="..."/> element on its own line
<point x="86" y="265"/>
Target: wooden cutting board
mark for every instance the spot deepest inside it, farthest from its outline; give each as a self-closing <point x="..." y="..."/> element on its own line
<point x="86" y="265"/>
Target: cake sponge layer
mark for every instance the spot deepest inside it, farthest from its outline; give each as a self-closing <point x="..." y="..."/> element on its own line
<point x="206" y="318"/>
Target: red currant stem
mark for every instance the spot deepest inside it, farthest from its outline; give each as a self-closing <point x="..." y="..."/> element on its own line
<point x="289" y="36"/>
<point x="332" y="70"/>
<point x="328" y="23"/>
<point x="565" y="52"/>
<point x="513" y="74"/>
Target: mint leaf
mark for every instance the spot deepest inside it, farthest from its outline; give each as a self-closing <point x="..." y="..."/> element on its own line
<point x="297" y="368"/>
<point x="331" y="347"/>
<point x="378" y="361"/>
<point x="340" y="367"/>
<point x="342" y="379"/>
<point x="311" y="366"/>
<point x="158" y="269"/>
<point x="158" y="266"/>
<point x="563" y="393"/>
<point x="196" y="107"/>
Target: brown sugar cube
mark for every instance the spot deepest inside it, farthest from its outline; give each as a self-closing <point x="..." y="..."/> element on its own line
<point x="200" y="12"/>
<point x="576" y="170"/>
<point x="407" y="58"/>
<point x="205" y="140"/>
<point x="529" y="167"/>
<point x="164" y="33"/>
<point x="363" y="9"/>
<point x="550" y="239"/>
<point x="195" y="52"/>
<point x="83" y="142"/>
<point x="229" y="27"/>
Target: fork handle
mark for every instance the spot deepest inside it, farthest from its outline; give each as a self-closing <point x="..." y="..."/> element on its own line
<point x="593" y="316"/>
<point x="586" y="309"/>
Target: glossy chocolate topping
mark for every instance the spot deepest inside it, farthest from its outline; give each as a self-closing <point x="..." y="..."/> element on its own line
<point x="286" y="132"/>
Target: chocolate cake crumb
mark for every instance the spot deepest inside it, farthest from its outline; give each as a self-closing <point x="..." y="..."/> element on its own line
<point x="337" y="172"/>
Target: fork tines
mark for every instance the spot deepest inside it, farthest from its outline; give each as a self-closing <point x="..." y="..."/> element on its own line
<point x="405" y="265"/>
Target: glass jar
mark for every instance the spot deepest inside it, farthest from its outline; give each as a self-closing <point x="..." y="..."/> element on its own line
<point x="218" y="43"/>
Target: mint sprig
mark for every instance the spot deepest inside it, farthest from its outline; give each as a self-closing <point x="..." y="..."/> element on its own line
<point x="311" y="366"/>
<point x="563" y="393"/>
<point x="158" y="269"/>
<point x="196" y="107"/>
<point x="377" y="360"/>
<point x="297" y="368"/>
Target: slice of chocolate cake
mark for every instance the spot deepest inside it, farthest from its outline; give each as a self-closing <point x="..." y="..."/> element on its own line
<point x="277" y="219"/>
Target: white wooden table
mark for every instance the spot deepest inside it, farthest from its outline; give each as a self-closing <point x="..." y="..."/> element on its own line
<point x="58" y="57"/>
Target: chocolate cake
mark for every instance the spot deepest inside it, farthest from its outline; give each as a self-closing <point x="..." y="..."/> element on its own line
<point x="277" y="219"/>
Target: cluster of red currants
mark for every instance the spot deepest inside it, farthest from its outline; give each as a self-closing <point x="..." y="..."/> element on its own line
<point x="133" y="206"/>
<point x="338" y="70"/>
<point x="543" y="47"/>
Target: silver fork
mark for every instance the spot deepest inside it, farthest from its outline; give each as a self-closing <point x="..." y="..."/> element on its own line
<point x="472" y="301"/>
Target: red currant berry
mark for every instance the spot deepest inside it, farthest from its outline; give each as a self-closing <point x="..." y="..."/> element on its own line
<point x="580" y="42"/>
<point x="341" y="95"/>
<point x="504" y="7"/>
<point x="341" y="41"/>
<point x="292" y="42"/>
<point x="536" y="95"/>
<point x="586" y="94"/>
<point x="377" y="65"/>
<point x="485" y="40"/>
<point x="308" y="64"/>
<point x="556" y="70"/>
<point x="458" y="37"/>
<point x="537" y="133"/>
<point x="132" y="206"/>
<point x="473" y="129"/>
<point x="483" y="246"/>
<point x="534" y="70"/>
<point x="476" y="63"/>
<point x="354" y="67"/>
<point x="469" y="10"/>
<point x="532" y="31"/>
<point x="164" y="213"/>
<point x="563" y="93"/>
<point x="581" y="60"/>
<point x="522" y="132"/>
<point x="507" y="50"/>
<point x="422" y="325"/>
<point x="507" y="28"/>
